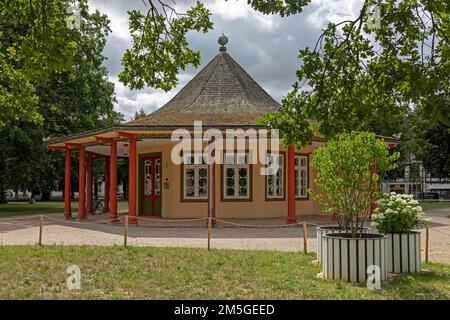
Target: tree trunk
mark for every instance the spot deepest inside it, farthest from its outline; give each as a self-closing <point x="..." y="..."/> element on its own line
<point x="3" y="199"/>
<point x="96" y="189"/>
<point x="125" y="189"/>
<point x="46" y="196"/>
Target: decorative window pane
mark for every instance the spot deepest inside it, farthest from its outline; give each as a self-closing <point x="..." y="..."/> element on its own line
<point x="148" y="177"/>
<point x="301" y="176"/>
<point x="275" y="177"/>
<point x="236" y="176"/>
<point x="158" y="177"/>
<point x="195" y="177"/>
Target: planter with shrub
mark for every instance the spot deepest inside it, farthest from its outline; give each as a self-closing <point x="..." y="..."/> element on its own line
<point x="323" y="230"/>
<point x="347" y="179"/>
<point x="398" y="216"/>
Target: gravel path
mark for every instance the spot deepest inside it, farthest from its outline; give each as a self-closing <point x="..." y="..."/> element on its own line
<point x="18" y="231"/>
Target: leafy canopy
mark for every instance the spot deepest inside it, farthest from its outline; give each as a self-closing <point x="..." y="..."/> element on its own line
<point x="35" y="40"/>
<point x="393" y="56"/>
<point x="345" y="174"/>
<point x="77" y="99"/>
<point x="159" y="45"/>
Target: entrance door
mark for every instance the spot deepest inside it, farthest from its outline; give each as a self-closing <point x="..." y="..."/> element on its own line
<point x="152" y="186"/>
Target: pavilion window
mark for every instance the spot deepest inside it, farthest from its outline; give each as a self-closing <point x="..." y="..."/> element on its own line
<point x="195" y="177"/>
<point x="236" y="173"/>
<point x="301" y="176"/>
<point x="275" y="177"/>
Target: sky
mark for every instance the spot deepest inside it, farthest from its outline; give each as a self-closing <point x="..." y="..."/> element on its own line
<point x="266" y="46"/>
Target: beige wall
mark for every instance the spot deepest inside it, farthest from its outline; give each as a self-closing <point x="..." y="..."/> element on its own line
<point x="173" y="207"/>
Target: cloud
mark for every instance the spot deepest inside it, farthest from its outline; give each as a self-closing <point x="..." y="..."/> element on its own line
<point x="239" y="10"/>
<point x="118" y="17"/>
<point x="325" y="11"/>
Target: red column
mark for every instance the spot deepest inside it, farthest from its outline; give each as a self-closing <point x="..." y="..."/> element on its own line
<point x="132" y="181"/>
<point x="291" y="186"/>
<point x="67" y="186"/>
<point x="113" y="182"/>
<point x="106" y="191"/>
<point x="82" y="184"/>
<point x="89" y="185"/>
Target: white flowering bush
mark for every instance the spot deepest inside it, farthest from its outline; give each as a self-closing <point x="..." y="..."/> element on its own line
<point x="398" y="213"/>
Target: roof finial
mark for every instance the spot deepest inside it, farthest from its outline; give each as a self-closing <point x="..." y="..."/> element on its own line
<point x="223" y="40"/>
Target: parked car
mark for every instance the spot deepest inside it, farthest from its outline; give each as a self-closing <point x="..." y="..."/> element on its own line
<point x="9" y="194"/>
<point x="426" y="195"/>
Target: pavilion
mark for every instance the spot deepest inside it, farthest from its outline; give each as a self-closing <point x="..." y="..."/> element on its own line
<point x="223" y="96"/>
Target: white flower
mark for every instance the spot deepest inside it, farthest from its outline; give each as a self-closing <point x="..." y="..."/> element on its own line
<point x="414" y="202"/>
<point x="419" y="209"/>
<point x="389" y="210"/>
<point x="393" y="194"/>
<point x="374" y="216"/>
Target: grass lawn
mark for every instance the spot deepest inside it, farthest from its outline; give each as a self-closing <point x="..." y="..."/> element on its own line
<point x="24" y="208"/>
<point x="426" y="205"/>
<point x="30" y="272"/>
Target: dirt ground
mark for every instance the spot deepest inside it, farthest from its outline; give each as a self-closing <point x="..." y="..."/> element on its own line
<point x="271" y="234"/>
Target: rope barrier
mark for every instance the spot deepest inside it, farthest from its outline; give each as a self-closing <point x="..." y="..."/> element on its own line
<point x="253" y="225"/>
<point x="265" y="226"/>
<point x="18" y="218"/>
<point x="171" y="220"/>
<point x="9" y="221"/>
<point x="84" y="222"/>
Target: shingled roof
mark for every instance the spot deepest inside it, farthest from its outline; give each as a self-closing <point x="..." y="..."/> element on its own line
<point x="222" y="93"/>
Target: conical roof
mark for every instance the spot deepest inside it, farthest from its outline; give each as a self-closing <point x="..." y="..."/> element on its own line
<point x="222" y="93"/>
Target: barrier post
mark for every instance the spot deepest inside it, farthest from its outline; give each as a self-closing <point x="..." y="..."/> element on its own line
<point x="427" y="236"/>
<point x="305" y="237"/>
<point x="209" y="233"/>
<point x="41" y="222"/>
<point x="125" y="231"/>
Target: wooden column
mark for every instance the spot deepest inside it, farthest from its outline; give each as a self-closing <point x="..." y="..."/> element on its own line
<point x="82" y="183"/>
<point x="106" y="190"/>
<point x="291" y="185"/>
<point x="67" y="185"/>
<point x="211" y="182"/>
<point x="113" y="182"/>
<point x="132" y="176"/>
<point x="90" y="210"/>
<point x="373" y="170"/>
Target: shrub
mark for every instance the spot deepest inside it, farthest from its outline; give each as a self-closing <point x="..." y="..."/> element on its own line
<point x="398" y="213"/>
<point x="346" y="177"/>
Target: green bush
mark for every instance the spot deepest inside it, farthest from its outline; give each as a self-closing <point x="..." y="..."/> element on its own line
<point x="398" y="213"/>
<point x="346" y="176"/>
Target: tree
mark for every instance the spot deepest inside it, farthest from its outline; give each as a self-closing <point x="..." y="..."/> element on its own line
<point x="344" y="174"/>
<point x="35" y="40"/>
<point x="139" y="114"/>
<point x="437" y="160"/>
<point x="78" y="99"/>
<point x="393" y="55"/>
